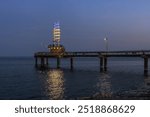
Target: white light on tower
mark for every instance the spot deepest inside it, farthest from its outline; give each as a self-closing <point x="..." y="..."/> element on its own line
<point x="56" y="34"/>
<point x="106" y="43"/>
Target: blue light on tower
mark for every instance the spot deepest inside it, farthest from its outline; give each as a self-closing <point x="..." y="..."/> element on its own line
<point x="56" y="25"/>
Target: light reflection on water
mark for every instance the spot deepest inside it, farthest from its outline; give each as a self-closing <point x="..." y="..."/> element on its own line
<point x="104" y="86"/>
<point x="55" y="82"/>
<point x="63" y="84"/>
<point x="124" y="80"/>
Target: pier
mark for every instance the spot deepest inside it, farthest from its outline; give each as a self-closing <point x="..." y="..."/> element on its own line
<point x="42" y="58"/>
<point x="57" y="51"/>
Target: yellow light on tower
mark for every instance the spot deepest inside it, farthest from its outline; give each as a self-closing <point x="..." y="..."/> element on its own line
<point x="56" y="34"/>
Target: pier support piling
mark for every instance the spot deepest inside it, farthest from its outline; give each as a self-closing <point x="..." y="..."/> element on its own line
<point x="145" y="66"/>
<point x="71" y="63"/>
<point x="36" y="61"/>
<point x="105" y="64"/>
<point x="58" y="62"/>
<point x="101" y="64"/>
<point x="42" y="62"/>
<point x="47" y="61"/>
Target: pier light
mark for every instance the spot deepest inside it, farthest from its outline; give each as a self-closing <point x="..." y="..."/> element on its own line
<point x="106" y="43"/>
<point x="105" y="39"/>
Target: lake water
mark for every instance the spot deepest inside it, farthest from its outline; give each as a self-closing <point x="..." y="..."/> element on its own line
<point x="19" y="79"/>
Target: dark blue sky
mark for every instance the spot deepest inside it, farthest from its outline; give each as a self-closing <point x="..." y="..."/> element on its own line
<point x="26" y="25"/>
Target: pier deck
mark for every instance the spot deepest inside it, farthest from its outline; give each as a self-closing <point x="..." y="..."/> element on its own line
<point x="102" y="55"/>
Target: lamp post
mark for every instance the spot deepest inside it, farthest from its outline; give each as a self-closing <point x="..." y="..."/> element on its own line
<point x="106" y="43"/>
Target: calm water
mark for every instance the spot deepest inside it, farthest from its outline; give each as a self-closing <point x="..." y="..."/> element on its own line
<point x="19" y="79"/>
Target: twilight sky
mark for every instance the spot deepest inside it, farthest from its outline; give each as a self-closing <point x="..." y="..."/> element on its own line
<point x="26" y="25"/>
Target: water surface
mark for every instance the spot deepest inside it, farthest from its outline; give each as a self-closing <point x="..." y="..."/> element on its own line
<point x="19" y="79"/>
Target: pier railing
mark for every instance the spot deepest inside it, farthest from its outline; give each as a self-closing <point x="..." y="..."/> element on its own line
<point x="96" y="54"/>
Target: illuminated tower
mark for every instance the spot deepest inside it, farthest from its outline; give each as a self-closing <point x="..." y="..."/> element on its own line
<point x="56" y="48"/>
<point x="56" y="34"/>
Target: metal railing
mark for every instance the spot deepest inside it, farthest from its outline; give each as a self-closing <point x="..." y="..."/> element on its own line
<point x="94" y="53"/>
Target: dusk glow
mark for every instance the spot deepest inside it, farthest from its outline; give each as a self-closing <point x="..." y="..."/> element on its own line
<point x="26" y="25"/>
